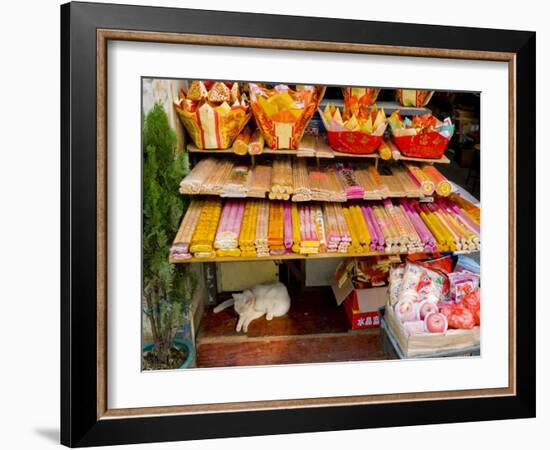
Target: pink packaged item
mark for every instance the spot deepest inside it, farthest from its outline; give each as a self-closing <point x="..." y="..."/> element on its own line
<point x="420" y="283"/>
<point x="436" y="322"/>
<point x="462" y="284"/>
<point x="414" y="327"/>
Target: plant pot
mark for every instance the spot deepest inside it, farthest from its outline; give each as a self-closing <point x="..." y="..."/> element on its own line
<point x="178" y="343"/>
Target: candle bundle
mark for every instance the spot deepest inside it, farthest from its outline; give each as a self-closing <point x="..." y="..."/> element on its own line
<point x="275" y="238"/>
<point x="355" y="245"/>
<point x="377" y="240"/>
<point x="442" y="185"/>
<point x="427" y="238"/>
<point x="300" y="180"/>
<point x="205" y="230"/>
<point x="248" y="229"/>
<point x="237" y="183"/>
<point x="262" y="223"/>
<point x="261" y="181"/>
<point x="350" y="184"/>
<point x="229" y="229"/>
<point x="240" y="144"/>
<point x="180" y="246"/>
<point x="421" y="179"/>
<point x="309" y="241"/>
<point x="256" y="143"/>
<point x="281" y="180"/>
<point x="407" y="237"/>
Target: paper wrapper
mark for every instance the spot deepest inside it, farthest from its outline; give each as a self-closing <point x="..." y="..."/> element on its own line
<point x="422" y="137"/>
<point x="357" y="100"/>
<point x="413" y="97"/>
<point x="282" y="113"/>
<point x="213" y="121"/>
<point x="355" y="136"/>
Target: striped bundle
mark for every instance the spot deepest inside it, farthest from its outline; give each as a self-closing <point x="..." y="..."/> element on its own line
<point x="371" y="187"/>
<point x="309" y="240"/>
<point x="180" y="247"/>
<point x="355" y="245"/>
<point x="262" y="223"/>
<point x="202" y="242"/>
<point x="408" y="186"/>
<point x="442" y="185"/>
<point x="248" y="229"/>
<point x="275" y="237"/>
<point x="320" y="227"/>
<point x="229" y="229"/>
<point x="296" y="233"/>
<point x="300" y="180"/>
<point x="421" y="179"/>
<point x="281" y="180"/>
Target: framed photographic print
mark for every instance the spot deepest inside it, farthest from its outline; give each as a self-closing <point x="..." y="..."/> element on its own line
<point x="277" y="224"/>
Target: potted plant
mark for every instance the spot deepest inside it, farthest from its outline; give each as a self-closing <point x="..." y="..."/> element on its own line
<point x="167" y="288"/>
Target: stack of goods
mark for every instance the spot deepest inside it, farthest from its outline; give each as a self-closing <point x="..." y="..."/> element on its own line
<point x="337" y="232"/>
<point x="276" y="228"/>
<point x="359" y="130"/>
<point x="180" y="247"/>
<point x="202" y="242"/>
<point x="422" y="137"/>
<point x="428" y="297"/>
<point x="281" y="179"/>
<point x="300" y="181"/>
<point x="229" y="229"/>
<point x="309" y="239"/>
<point x="392" y="226"/>
<point x="213" y="113"/>
<point x="413" y="97"/>
<point x="283" y="113"/>
<point x="262" y="226"/>
<point x="237" y="183"/>
<point x="261" y="181"/>
<point x="248" y="229"/>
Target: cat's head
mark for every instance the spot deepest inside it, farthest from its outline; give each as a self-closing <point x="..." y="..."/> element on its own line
<point x="244" y="301"/>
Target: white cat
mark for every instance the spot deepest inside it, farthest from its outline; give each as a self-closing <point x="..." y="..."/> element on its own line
<point x="269" y="299"/>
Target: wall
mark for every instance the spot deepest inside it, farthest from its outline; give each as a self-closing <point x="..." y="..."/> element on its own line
<point x="29" y="174"/>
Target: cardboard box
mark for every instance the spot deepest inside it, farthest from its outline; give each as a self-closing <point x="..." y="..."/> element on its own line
<point x="429" y="343"/>
<point x="361" y="305"/>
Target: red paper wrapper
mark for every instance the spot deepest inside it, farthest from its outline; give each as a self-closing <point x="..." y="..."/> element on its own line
<point x="424" y="145"/>
<point x="355" y="142"/>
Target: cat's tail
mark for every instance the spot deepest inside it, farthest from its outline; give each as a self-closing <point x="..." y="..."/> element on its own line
<point x="224" y="305"/>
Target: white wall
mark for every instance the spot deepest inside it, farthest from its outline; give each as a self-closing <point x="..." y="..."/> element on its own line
<point x="29" y="229"/>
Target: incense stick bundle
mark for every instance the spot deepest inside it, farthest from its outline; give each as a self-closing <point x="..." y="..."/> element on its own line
<point x="256" y="143"/>
<point x="262" y="223"/>
<point x="248" y="229"/>
<point x="240" y="144"/>
<point x="194" y="181"/>
<point x="300" y="181"/>
<point x="205" y="230"/>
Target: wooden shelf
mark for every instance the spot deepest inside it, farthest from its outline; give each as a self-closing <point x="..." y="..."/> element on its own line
<point x="294" y="256"/>
<point x="388" y="107"/>
<point x="324" y="153"/>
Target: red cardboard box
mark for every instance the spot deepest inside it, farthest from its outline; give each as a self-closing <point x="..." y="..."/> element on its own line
<point x="354" y="142"/>
<point x="423" y="145"/>
<point x="361" y="305"/>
